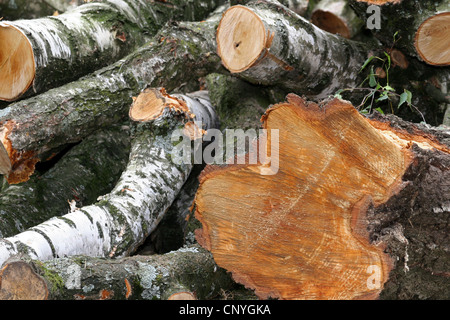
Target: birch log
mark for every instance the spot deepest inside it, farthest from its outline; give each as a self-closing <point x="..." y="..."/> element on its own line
<point x="40" y="54"/>
<point x="422" y="27"/>
<point x="66" y="114"/>
<point x="267" y="44"/>
<point x="188" y="270"/>
<point x="116" y="225"/>
<point x="88" y="170"/>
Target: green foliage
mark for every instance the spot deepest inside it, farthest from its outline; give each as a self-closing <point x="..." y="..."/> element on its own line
<point x="379" y="89"/>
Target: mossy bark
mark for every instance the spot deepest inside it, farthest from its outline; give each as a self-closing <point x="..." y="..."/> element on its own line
<point x="156" y="277"/>
<point x="119" y="223"/>
<point x="239" y="104"/>
<point x="88" y="170"/>
<point x="96" y="34"/>
<point x="67" y="114"/>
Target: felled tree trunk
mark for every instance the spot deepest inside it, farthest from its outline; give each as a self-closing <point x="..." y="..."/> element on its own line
<point x="356" y="208"/>
<point x="117" y="224"/>
<point x="189" y="271"/>
<point x="44" y="53"/>
<point x="422" y="26"/>
<point x="266" y="44"/>
<point x="88" y="170"/>
<point x="66" y="114"/>
<point x="337" y="17"/>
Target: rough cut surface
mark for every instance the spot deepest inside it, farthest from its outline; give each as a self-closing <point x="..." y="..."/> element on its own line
<point x="310" y="222"/>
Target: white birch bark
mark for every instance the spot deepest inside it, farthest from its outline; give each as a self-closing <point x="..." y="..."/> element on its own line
<point x="122" y="219"/>
<point x="91" y="36"/>
<point x="294" y="54"/>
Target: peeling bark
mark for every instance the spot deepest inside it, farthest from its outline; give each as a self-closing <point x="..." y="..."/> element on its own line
<point x="116" y="225"/>
<point x="88" y="170"/>
<point x="60" y="49"/>
<point x="63" y="115"/>
<point x="158" y="277"/>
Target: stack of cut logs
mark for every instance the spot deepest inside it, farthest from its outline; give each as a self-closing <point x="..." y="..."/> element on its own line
<point x="93" y="205"/>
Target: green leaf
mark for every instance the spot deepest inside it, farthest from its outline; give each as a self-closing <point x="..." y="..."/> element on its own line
<point x="403" y="98"/>
<point x="388" y="88"/>
<point x="380" y="110"/>
<point x="409" y="94"/>
<point x="366" y="63"/>
<point x="372" y="80"/>
<point x="383" y="96"/>
<point x="338" y="94"/>
<point x="406" y="96"/>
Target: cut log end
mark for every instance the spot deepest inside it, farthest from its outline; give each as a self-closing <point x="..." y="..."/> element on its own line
<point x="330" y="22"/>
<point x="17" y="65"/>
<point x="432" y="40"/>
<point x="308" y="221"/>
<point x="151" y="103"/>
<point x="241" y="38"/>
<point x="182" y="296"/>
<point x="18" y="281"/>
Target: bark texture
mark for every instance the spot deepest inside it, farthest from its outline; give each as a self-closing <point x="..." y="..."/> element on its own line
<point x="405" y="18"/>
<point x="88" y="170"/>
<point x="278" y="47"/>
<point x="117" y="224"/>
<point x="92" y="36"/>
<point x="66" y="114"/>
<point x="333" y="226"/>
<point x="158" y="277"/>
